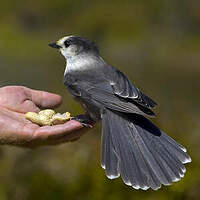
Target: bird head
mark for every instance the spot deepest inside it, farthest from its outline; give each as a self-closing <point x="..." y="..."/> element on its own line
<point x="70" y="46"/>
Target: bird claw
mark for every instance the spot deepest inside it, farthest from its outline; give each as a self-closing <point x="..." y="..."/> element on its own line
<point x="85" y="120"/>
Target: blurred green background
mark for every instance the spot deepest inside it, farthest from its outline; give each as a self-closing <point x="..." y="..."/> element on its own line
<point x="156" y="43"/>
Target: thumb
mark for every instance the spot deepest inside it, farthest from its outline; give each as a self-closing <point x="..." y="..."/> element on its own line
<point x="43" y="99"/>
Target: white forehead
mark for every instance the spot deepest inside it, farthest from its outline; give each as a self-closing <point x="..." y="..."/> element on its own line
<point x="63" y="39"/>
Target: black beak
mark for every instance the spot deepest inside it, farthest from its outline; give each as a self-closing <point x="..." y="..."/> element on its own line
<point x="54" y="45"/>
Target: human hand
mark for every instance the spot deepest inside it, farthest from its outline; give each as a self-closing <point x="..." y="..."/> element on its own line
<point x="15" y="101"/>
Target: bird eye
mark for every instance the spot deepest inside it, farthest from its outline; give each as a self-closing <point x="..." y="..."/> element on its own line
<point x="66" y="44"/>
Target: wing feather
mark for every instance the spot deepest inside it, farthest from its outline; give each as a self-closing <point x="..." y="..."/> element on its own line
<point x="125" y="89"/>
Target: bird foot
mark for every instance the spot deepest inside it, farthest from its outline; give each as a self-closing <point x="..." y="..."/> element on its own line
<point x="85" y="120"/>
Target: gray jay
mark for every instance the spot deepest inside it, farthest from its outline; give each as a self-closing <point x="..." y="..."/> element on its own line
<point x="132" y="146"/>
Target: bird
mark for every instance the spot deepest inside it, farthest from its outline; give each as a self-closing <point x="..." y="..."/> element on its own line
<point x="131" y="145"/>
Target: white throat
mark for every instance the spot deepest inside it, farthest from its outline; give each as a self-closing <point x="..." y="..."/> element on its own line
<point x="80" y="63"/>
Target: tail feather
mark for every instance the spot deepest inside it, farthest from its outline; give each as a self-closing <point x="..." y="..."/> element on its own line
<point x="109" y="157"/>
<point x="173" y="142"/>
<point x="130" y="170"/>
<point x="144" y="156"/>
<point x="172" y="155"/>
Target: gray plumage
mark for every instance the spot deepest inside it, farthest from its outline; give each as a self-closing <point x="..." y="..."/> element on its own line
<point x="132" y="146"/>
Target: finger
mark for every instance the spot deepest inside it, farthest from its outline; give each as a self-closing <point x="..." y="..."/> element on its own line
<point x="73" y="136"/>
<point x="58" y="131"/>
<point x="44" y="99"/>
<point x="53" y="135"/>
<point x="17" y="132"/>
<point x="31" y="135"/>
<point x="28" y="106"/>
<point x="60" y="139"/>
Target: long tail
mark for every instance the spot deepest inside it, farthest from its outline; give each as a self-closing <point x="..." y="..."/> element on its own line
<point x="144" y="156"/>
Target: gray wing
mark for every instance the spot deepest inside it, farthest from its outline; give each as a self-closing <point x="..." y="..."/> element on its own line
<point x="111" y="89"/>
<point x="103" y="93"/>
<point x="110" y="100"/>
<point x="125" y="89"/>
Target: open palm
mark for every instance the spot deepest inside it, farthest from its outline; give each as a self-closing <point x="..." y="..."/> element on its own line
<point x="16" y="130"/>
